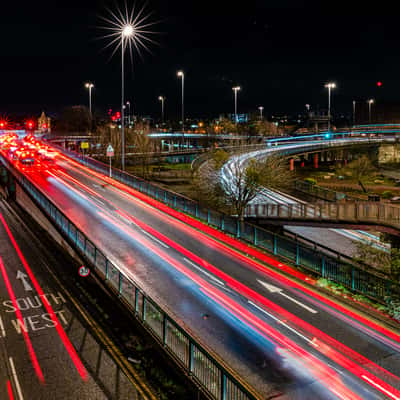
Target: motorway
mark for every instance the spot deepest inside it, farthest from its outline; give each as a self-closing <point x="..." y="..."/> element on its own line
<point x="47" y="349"/>
<point x="280" y="335"/>
<point x="342" y="241"/>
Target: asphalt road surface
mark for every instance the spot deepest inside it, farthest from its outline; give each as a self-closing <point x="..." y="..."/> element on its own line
<point x="47" y="350"/>
<point x="283" y="338"/>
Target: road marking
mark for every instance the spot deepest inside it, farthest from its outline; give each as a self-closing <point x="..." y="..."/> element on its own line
<point x="18" y="387"/>
<point x="23" y="277"/>
<point x="204" y="272"/>
<point x="274" y="289"/>
<point x="284" y="324"/>
<point x="382" y="389"/>
<point x="2" y="330"/>
<point x="155" y="239"/>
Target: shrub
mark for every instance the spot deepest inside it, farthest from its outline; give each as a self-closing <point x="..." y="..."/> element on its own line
<point x="387" y="194"/>
<point x="311" y="181"/>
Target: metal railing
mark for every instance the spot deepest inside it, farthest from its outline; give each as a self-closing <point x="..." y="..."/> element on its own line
<point x="348" y="212"/>
<point x="211" y="375"/>
<point x="357" y="279"/>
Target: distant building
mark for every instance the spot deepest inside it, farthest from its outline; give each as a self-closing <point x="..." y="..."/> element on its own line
<point x="44" y="123"/>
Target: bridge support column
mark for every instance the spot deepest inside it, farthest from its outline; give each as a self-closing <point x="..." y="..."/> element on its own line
<point x="291" y="164"/>
<point x="316" y="160"/>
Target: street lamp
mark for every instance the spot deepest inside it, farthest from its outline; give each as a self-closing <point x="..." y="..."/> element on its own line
<point x="127" y="32"/>
<point x="354" y="112"/>
<point x="235" y="90"/>
<point x="90" y="86"/>
<point x="370" y="102"/>
<point x="181" y="75"/>
<point x="128" y="103"/>
<point x="261" y="108"/>
<point x="162" y="99"/>
<point x="330" y="86"/>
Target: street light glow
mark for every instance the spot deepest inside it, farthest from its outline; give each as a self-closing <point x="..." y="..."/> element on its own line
<point x="128" y="30"/>
<point x="330" y="85"/>
<point x="89" y="85"/>
<point x="236" y="88"/>
<point x="180" y="73"/>
<point x="371" y="101"/>
<point x="130" y="26"/>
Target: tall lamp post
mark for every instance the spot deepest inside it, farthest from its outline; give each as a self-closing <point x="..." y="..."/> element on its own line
<point x="235" y="91"/>
<point x="370" y="102"/>
<point x="330" y="86"/>
<point x="162" y="99"/>
<point x="90" y="86"/>
<point x="181" y="75"/>
<point x="128" y="103"/>
<point x="354" y="112"/>
<point x="127" y="32"/>
<point x="261" y="109"/>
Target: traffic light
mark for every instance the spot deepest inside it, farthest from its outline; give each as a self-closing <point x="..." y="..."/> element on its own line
<point x="379" y="83"/>
<point x="3" y="124"/>
<point x="30" y="124"/>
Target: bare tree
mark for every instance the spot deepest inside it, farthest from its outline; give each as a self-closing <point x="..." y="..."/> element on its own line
<point x="139" y="137"/>
<point x="246" y="181"/>
<point x="361" y="169"/>
<point x="110" y="134"/>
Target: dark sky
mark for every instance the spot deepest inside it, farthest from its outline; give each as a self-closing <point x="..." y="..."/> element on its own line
<point x="281" y="52"/>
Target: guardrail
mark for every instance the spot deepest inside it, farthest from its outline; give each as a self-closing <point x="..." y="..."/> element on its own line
<point x="357" y="279"/>
<point x="213" y="377"/>
<point x="320" y="192"/>
<point x="357" y="212"/>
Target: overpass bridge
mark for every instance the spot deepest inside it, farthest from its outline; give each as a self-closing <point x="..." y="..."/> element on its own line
<point x="349" y="214"/>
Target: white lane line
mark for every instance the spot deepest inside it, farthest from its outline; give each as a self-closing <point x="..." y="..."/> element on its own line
<point x="15" y="378"/>
<point x="283" y="323"/>
<point x="275" y="289"/>
<point x="2" y="330"/>
<point x="155" y="239"/>
<point x="204" y="272"/>
<point x="382" y="389"/>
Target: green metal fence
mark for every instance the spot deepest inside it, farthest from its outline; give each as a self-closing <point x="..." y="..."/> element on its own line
<point x="306" y="257"/>
<point x="199" y="363"/>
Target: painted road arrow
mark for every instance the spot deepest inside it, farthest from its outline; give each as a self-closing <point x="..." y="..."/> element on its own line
<point x="22" y="276"/>
<point x="274" y="289"/>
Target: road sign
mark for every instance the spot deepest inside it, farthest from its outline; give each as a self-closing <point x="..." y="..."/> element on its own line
<point x="84" y="271"/>
<point x="110" y="151"/>
<point x="84" y="145"/>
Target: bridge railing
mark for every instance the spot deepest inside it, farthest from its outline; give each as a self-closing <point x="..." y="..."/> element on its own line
<point x="368" y="212"/>
<point x="199" y="362"/>
<point x="310" y="258"/>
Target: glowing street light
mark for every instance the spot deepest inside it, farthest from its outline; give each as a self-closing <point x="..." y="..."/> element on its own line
<point x="261" y="109"/>
<point x="370" y="102"/>
<point x="181" y="75"/>
<point x="162" y="99"/>
<point x="90" y="86"/>
<point x="128" y="30"/>
<point x="330" y="86"/>
<point x="235" y="90"/>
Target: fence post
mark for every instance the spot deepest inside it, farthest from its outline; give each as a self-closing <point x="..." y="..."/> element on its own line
<point x="237" y="228"/>
<point x="223" y="387"/>
<point x="352" y="278"/>
<point x="275" y="244"/>
<point x="255" y="236"/>
<point x="323" y="266"/>
<point x="165" y="320"/>
<point x="191" y="356"/>
<point x="120" y="277"/>
<point x="106" y="269"/>
<point x="136" y="300"/>
<point x="208" y="216"/>
<point x="297" y="252"/>
<point x="144" y="309"/>
<point x="196" y="213"/>
<point x="222" y="222"/>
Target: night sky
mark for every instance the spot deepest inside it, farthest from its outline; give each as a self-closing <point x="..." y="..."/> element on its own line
<point x="280" y="52"/>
